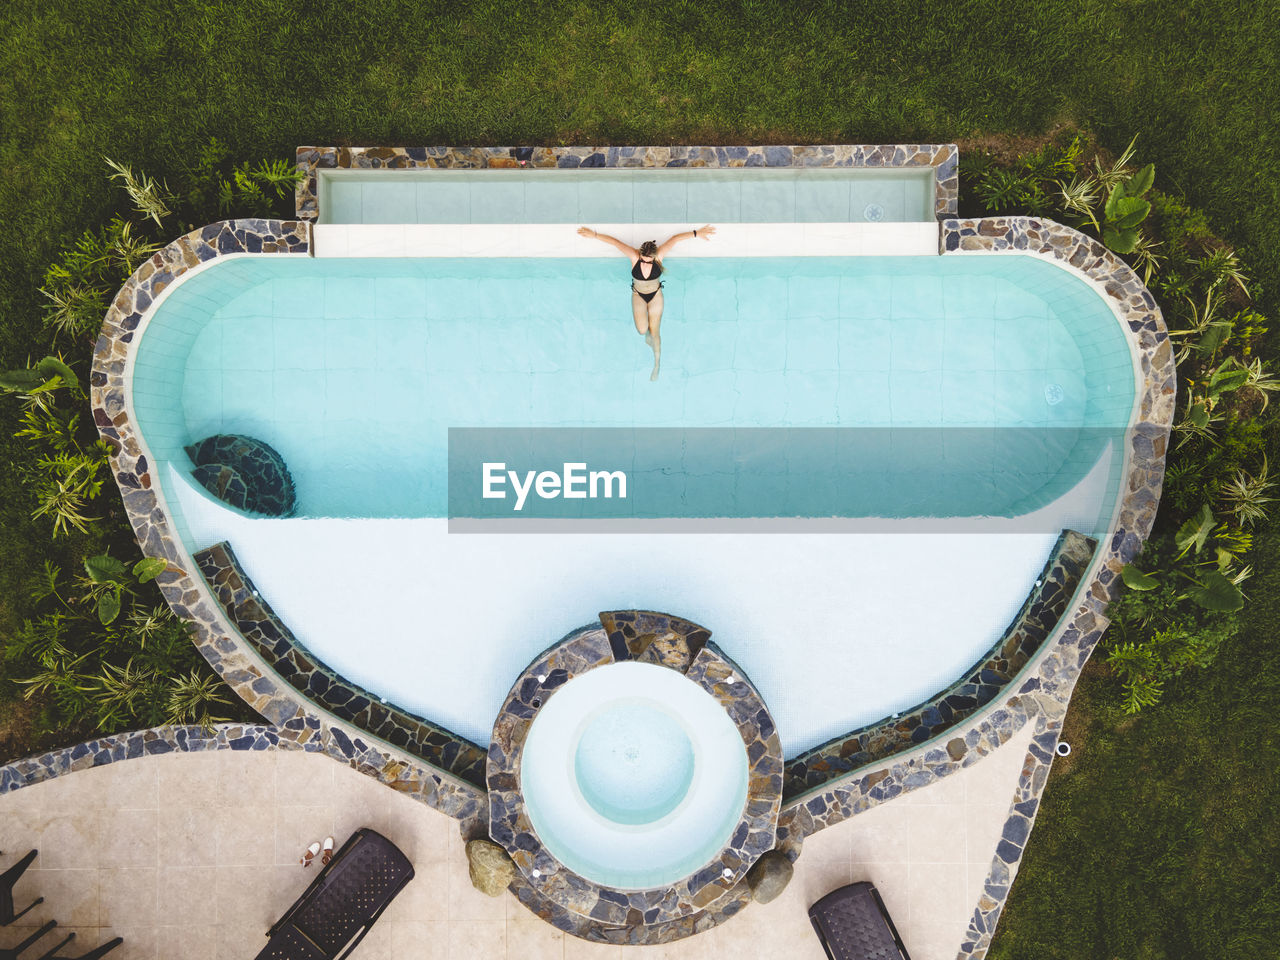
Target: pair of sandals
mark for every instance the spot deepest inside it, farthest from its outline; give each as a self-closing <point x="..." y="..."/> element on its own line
<point x="324" y="850"/>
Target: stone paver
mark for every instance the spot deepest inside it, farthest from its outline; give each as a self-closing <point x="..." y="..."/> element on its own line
<point x="193" y="856"/>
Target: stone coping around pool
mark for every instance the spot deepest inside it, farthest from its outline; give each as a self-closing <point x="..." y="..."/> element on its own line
<point x="979" y="685"/>
<point x="304" y="735"/>
<point x="277" y="645"/>
<point x="943" y="157"/>
<point x="578" y="905"/>
<point x="185" y="591"/>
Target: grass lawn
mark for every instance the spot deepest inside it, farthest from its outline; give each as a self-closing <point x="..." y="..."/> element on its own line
<point x="1158" y="836"/>
<point x="1154" y="842"/>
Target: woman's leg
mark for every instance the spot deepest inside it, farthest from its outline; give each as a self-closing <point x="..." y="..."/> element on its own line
<point x="640" y="313"/>
<point x="654" y="337"/>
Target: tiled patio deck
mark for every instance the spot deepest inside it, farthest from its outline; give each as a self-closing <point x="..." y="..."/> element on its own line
<point x="193" y="856"/>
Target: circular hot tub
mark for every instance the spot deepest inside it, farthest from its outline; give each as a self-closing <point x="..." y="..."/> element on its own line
<point x="633" y="775"/>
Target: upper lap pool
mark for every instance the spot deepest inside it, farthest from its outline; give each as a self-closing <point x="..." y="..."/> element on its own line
<point x="627" y="196"/>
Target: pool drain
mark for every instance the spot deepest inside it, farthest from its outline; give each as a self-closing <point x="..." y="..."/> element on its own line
<point x="1053" y="394"/>
<point x="873" y="212"/>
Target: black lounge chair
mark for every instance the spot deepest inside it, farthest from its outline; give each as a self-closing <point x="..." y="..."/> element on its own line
<point x="13" y="953"/>
<point x="341" y="903"/>
<point x="853" y="924"/>
<point x="8" y="880"/>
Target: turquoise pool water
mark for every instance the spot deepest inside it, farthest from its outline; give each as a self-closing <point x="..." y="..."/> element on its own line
<point x="633" y="762"/>
<point x="355" y="370"/>
<point x="610" y="195"/>
<point x="633" y="775"/>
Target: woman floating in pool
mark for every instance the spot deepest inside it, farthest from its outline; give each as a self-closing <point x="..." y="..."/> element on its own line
<point x="646" y="288"/>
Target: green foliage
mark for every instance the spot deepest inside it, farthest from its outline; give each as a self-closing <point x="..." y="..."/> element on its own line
<point x="1125" y="209"/>
<point x="110" y="581"/>
<point x="1135" y="579"/>
<point x="78" y="284"/>
<point x="91" y="651"/>
<point x="1156" y="837"/>
<point x="150" y="198"/>
<point x="148" y="568"/>
<point x="94" y="665"/>
<point x="1196" y="563"/>
<point x="68" y="459"/>
<point x="218" y="188"/>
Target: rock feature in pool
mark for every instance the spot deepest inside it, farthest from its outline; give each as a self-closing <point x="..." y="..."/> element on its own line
<point x="247" y="473"/>
<point x="634" y="776"/>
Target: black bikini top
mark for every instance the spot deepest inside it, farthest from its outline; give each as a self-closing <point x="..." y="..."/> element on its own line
<point x="657" y="271"/>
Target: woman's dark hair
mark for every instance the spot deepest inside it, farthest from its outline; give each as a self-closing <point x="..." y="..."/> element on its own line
<point x="648" y="249"/>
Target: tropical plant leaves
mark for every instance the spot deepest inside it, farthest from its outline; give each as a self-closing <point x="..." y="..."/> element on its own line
<point x="1120" y="241"/>
<point x="1195" y="531"/>
<point x="148" y="568"/>
<point x="1135" y="579"/>
<point x="104" y="569"/>
<point x="1216" y="593"/>
<point x="53" y="367"/>
<point x="1126" y="212"/>
<point x="1199" y="415"/>
<point x="1141" y="181"/>
<point x="1227" y="378"/>
<point x="20" y="380"/>
<point x="109" y="604"/>
<point x="1110" y="209"/>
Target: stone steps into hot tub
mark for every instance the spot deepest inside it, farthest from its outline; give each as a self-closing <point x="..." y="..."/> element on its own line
<point x="648" y="636"/>
<point x="978" y="686"/>
<point x="282" y="651"/>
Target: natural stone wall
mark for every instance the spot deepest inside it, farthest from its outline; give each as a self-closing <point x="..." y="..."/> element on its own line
<point x="942" y="156"/>
<point x="277" y="645"/>
<point x="145" y="743"/>
<point x="587" y="909"/>
<point x="979" y="685"/>
<point x="216" y="638"/>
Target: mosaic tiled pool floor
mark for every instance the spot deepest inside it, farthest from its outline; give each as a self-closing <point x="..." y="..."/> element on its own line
<point x="195" y="855"/>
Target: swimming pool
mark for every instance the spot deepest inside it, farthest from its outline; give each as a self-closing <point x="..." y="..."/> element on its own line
<point x="355" y="370"/>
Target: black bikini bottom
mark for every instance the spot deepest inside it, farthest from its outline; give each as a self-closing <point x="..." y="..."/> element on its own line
<point x="646" y="297"/>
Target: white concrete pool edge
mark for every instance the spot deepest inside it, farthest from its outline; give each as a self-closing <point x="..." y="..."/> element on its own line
<point x="550" y="240"/>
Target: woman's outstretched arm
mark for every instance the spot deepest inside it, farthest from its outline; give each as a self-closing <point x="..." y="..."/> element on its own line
<point x="623" y="248"/>
<point x="702" y="233"/>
